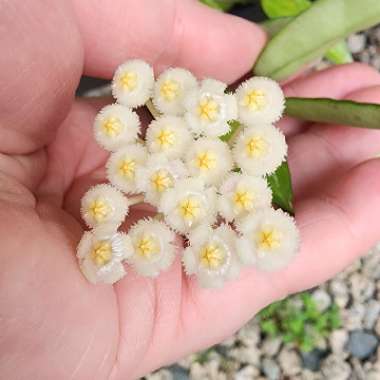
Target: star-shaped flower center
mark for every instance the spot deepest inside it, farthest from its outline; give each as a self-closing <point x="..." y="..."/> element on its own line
<point x="269" y="239"/>
<point x="101" y="253"/>
<point x="169" y="90"/>
<point x="256" y="146"/>
<point x="147" y="247"/>
<point x="99" y="210"/>
<point x="208" y="109"/>
<point x="255" y="100"/>
<point x="206" y="160"/>
<point x="243" y="199"/>
<point x="161" y="180"/>
<point x="165" y="138"/>
<point x="112" y="127"/>
<point x="127" y="168"/>
<point x="189" y="208"/>
<point x="212" y="256"/>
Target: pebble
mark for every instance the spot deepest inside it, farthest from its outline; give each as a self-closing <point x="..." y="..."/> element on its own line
<point x="362" y="288"/>
<point x="246" y="355"/>
<point x="178" y="372"/>
<point x="339" y="290"/>
<point x="162" y="374"/>
<point x="271" y="346"/>
<point x="271" y="369"/>
<point x="322" y="299"/>
<point x="248" y="372"/>
<point x="371" y="314"/>
<point x="371" y="263"/>
<point x="312" y="360"/>
<point x="338" y="340"/>
<point x="356" y="43"/>
<point x="290" y="362"/>
<point x="362" y="344"/>
<point x="334" y="367"/>
<point x="352" y="318"/>
<point x="250" y="333"/>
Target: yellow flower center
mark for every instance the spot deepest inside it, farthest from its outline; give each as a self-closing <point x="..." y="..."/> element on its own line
<point x="169" y="90"/>
<point x="206" y="160"/>
<point x="112" y="127"/>
<point x="255" y="100"/>
<point x="127" y="168"/>
<point x="212" y="256"/>
<point x="208" y="109"/>
<point x="189" y="208"/>
<point x="161" y="180"/>
<point x="128" y="80"/>
<point x="99" y="210"/>
<point x="147" y="247"/>
<point x="101" y="253"/>
<point x="269" y="239"/>
<point x="243" y="199"/>
<point x="166" y="138"/>
<point x="256" y="146"/>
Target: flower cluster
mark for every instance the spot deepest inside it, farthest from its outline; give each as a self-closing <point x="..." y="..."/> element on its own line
<point x="209" y="190"/>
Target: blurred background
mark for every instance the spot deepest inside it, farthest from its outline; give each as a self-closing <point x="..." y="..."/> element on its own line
<point x="330" y="332"/>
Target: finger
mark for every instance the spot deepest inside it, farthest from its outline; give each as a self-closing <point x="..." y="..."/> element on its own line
<point x="40" y="66"/>
<point x="335" y="82"/>
<point x="323" y="152"/>
<point x="167" y="33"/>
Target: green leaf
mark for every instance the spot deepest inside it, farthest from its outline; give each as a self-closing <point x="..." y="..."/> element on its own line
<point x="339" y="54"/>
<point x="281" y="184"/>
<point x="284" y="8"/>
<point x="223" y="5"/>
<point x="342" y="112"/>
<point x="234" y="127"/>
<point x="313" y="33"/>
<point x="269" y="327"/>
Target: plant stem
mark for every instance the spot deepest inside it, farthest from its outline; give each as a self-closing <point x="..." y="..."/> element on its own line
<point x="136" y="199"/>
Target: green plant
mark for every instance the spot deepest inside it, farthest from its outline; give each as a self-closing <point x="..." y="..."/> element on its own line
<point x="298" y="320"/>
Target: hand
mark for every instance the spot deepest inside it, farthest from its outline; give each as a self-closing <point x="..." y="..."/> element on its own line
<point x="53" y="323"/>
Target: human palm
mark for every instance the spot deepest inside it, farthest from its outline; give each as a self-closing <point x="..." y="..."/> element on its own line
<point x="53" y="323"/>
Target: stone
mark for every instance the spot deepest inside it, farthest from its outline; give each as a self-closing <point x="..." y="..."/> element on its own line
<point x="371" y="264"/>
<point x="362" y="288"/>
<point x="358" y="370"/>
<point x="362" y="344"/>
<point x="162" y="374"/>
<point x="356" y="43"/>
<point x="178" y="372"/>
<point x="335" y="367"/>
<point x="372" y="374"/>
<point x="248" y="372"/>
<point x="337" y="341"/>
<point x="339" y="290"/>
<point x="377" y="327"/>
<point x="271" y="346"/>
<point x="322" y="299"/>
<point x="246" y="355"/>
<point x="306" y="374"/>
<point x="250" y="333"/>
<point x="290" y="362"/>
<point x="312" y="360"/>
<point x="372" y="312"/>
<point x="352" y="318"/>
<point x="271" y="369"/>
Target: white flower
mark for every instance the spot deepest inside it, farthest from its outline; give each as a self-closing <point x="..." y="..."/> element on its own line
<point x="115" y="126"/>
<point x="212" y="256"/>
<point x="171" y="88"/>
<point x="188" y="204"/>
<point x="209" y="159"/>
<point x="270" y="239"/>
<point x="132" y="83"/>
<point x="153" y="247"/>
<point x="100" y="256"/>
<point x="122" y="166"/>
<point x="209" y="109"/>
<point x="103" y="204"/>
<point x="241" y="195"/>
<point x="168" y="135"/>
<point x="260" y="150"/>
<point x="157" y="176"/>
<point x="260" y="101"/>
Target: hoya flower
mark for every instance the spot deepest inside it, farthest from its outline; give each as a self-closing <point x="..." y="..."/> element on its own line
<point x="122" y="166"/>
<point x="260" y="150"/>
<point x="157" y="176"/>
<point x="170" y="90"/>
<point x="153" y="247"/>
<point x="100" y="256"/>
<point x="241" y="195"/>
<point x="188" y="204"/>
<point x="168" y="135"/>
<point x="132" y="83"/>
<point x="260" y="101"/>
<point x="115" y="126"/>
<point x="103" y="204"/>
<point x="270" y="239"/>
<point x="209" y="159"/>
<point x="212" y="256"/>
<point x="209" y="109"/>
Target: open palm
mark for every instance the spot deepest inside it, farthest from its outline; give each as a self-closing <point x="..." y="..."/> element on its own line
<point x="53" y="323"/>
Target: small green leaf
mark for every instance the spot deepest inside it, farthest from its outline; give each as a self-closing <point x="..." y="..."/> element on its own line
<point x="313" y="33"/>
<point x="281" y="184"/>
<point x="339" y="54"/>
<point x="284" y="8"/>
<point x="223" y="5"/>
<point x="234" y="126"/>
<point x="342" y="112"/>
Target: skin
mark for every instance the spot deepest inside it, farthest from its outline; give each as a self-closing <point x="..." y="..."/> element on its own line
<point x="53" y="323"/>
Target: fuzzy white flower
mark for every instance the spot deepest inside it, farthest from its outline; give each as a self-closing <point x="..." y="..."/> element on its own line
<point x="260" y="101"/>
<point x="153" y="247"/>
<point x="115" y="126"/>
<point x="100" y="256"/>
<point x="209" y="159"/>
<point x="157" y="176"/>
<point x="122" y="166"/>
<point x="103" y="204"/>
<point x="270" y="239"/>
<point x="241" y="195"/>
<point x="260" y="150"/>
<point x="132" y="84"/>
<point x="212" y="256"/>
<point x="188" y="204"/>
<point x="168" y="135"/>
<point x="209" y="109"/>
<point x="171" y="88"/>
